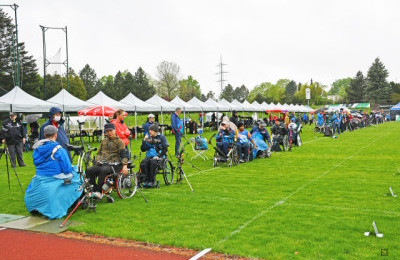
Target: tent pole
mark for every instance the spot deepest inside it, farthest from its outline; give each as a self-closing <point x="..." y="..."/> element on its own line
<point x="184" y="121"/>
<point x="135" y="125"/>
<point x="202" y="119"/>
<point x="162" y="122"/>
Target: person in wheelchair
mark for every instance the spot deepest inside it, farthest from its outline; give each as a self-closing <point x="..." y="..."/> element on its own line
<point x="292" y="129"/>
<point x="110" y="157"/>
<point x="225" y="139"/>
<point x="156" y="147"/>
<point x="243" y="143"/>
<point x="55" y="187"/>
<point x="278" y="131"/>
<point x="261" y="137"/>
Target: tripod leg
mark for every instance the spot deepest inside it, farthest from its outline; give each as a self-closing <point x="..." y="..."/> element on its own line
<point x="142" y="195"/>
<point x="15" y="174"/>
<point x="184" y="175"/>
<point x="72" y="212"/>
<point x="8" y="171"/>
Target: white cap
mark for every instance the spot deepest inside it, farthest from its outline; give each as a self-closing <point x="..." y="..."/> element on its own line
<point x="150" y="115"/>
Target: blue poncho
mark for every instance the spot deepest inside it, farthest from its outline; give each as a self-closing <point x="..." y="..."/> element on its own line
<point x="260" y="143"/>
<point x="47" y="192"/>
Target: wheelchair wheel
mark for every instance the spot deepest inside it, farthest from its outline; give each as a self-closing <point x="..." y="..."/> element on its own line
<point x="285" y="143"/>
<point x="250" y="158"/>
<point x="126" y="185"/>
<point x="168" y="172"/>
<point x="235" y="157"/>
<point x="298" y="140"/>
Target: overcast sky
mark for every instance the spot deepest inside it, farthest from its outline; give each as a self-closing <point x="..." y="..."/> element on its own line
<point x="258" y="40"/>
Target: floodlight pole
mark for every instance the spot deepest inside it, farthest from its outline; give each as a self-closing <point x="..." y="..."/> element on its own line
<point x="17" y="71"/>
<point x="47" y="62"/>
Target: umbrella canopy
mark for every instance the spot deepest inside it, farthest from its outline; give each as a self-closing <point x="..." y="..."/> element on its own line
<point x="184" y="105"/>
<point x="137" y="104"/>
<point x="32" y="118"/>
<point x="198" y="103"/>
<point x="161" y="104"/>
<point x="97" y="111"/>
<point x="69" y="102"/>
<point x="18" y="100"/>
<point x="102" y="99"/>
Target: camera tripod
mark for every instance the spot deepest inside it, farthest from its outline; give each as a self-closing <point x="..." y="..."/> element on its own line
<point x="7" y="155"/>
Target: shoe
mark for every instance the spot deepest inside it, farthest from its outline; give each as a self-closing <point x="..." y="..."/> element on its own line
<point x="241" y="161"/>
<point x="110" y="199"/>
<point x="96" y="195"/>
<point x="23" y="165"/>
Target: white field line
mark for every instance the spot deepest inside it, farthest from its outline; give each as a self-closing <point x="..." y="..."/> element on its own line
<point x="198" y="173"/>
<point x="280" y="202"/>
<point x="359" y="210"/>
<point x="200" y="254"/>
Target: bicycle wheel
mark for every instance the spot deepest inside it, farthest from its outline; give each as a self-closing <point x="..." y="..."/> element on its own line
<point x="126" y="185"/>
<point x="168" y="172"/>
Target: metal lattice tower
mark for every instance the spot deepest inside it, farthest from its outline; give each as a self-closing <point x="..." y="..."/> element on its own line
<point x="221" y="73"/>
<point x="46" y="62"/>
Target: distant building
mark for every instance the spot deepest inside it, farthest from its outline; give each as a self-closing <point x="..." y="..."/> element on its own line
<point x="334" y="98"/>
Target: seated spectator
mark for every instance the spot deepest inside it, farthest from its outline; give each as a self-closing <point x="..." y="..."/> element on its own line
<point x="112" y="150"/>
<point x="243" y="142"/>
<point x="156" y="147"/>
<point x="55" y="187"/>
<point x="225" y="138"/>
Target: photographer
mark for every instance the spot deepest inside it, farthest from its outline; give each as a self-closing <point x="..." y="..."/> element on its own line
<point x="56" y="120"/>
<point x="55" y="187"/>
<point x="156" y="147"/>
<point x="12" y="133"/>
<point x="112" y="150"/>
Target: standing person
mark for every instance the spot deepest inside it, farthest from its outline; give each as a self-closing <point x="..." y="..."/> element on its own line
<point x="213" y="120"/>
<point x="34" y="130"/>
<point x="177" y="129"/>
<point x="287" y="119"/>
<point x="320" y="119"/>
<point x="234" y="117"/>
<point x="149" y="122"/>
<point x="121" y="129"/>
<point x="12" y="133"/>
<point x="56" y="120"/>
<point x="305" y="118"/>
<point x="310" y="118"/>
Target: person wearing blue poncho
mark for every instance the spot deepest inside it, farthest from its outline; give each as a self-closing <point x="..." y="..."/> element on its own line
<point x="243" y="142"/>
<point x="261" y="138"/>
<point x="55" y="187"/>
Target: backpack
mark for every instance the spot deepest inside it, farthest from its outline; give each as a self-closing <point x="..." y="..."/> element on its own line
<point x="200" y="143"/>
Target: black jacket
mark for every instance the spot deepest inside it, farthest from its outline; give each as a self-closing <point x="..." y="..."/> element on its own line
<point x="234" y="119"/>
<point x="12" y="132"/>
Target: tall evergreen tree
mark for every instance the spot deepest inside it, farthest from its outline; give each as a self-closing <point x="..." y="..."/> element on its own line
<point x="290" y="90"/>
<point x="117" y="92"/>
<point x="89" y="79"/>
<point x="106" y="84"/>
<point x="241" y="93"/>
<point x="227" y="93"/>
<point x="356" y="89"/>
<point x="142" y="87"/>
<point x="378" y="88"/>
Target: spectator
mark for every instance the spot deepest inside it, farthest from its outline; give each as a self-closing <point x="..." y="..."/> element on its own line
<point x="287" y="119"/>
<point x="121" y="129"/>
<point x="243" y="142"/>
<point x="177" y="129"/>
<point x="12" y="133"/>
<point x="56" y="120"/>
<point x="310" y="118"/>
<point x="320" y="119"/>
<point x="149" y="122"/>
<point x="34" y="126"/>
<point x="234" y="117"/>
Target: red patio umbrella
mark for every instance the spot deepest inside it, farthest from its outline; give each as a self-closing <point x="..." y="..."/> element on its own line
<point x="97" y="111"/>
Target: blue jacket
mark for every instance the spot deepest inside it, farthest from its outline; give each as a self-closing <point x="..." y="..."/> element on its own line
<point x="159" y="149"/>
<point x="50" y="159"/>
<point x="62" y="137"/>
<point x="225" y="136"/>
<point x="146" y="127"/>
<point x="335" y="119"/>
<point x="320" y="119"/>
<point x="263" y="132"/>
<point x="304" y="117"/>
<point x="176" y="123"/>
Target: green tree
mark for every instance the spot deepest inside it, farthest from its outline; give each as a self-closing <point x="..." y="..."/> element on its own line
<point x="118" y="87"/>
<point x="339" y="84"/>
<point x="106" y="84"/>
<point x="227" y="93"/>
<point x="210" y="94"/>
<point x="76" y="87"/>
<point x="168" y="83"/>
<point x="356" y="89"/>
<point x="143" y="88"/>
<point x="241" y="93"/>
<point x="203" y="97"/>
<point x="189" y="88"/>
<point x="395" y="96"/>
<point x="290" y="90"/>
<point x="318" y="93"/>
<point x="378" y="88"/>
<point x="89" y="79"/>
<point x="30" y="81"/>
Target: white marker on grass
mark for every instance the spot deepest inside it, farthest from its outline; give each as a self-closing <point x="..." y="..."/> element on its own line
<point x="377" y="234"/>
<point x="200" y="254"/>
<point x="391" y="191"/>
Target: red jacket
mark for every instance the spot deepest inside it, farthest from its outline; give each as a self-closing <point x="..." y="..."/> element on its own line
<point x="121" y="130"/>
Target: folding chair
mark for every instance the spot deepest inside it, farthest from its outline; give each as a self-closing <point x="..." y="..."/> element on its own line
<point x="198" y="152"/>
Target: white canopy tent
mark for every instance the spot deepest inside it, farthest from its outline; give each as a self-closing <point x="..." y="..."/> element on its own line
<point x="226" y="103"/>
<point x="69" y="102"/>
<point x="258" y="106"/>
<point x="102" y="99"/>
<point x="212" y="103"/>
<point x="238" y="105"/>
<point x="137" y="106"/>
<point x="17" y="100"/>
<point x="249" y="107"/>
<point x="198" y="103"/>
<point x="162" y="105"/>
<point x="184" y="105"/>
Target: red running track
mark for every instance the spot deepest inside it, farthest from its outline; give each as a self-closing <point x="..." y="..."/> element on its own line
<point x="17" y="244"/>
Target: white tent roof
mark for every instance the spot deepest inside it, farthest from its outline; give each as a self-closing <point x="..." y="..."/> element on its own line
<point x="257" y="105"/>
<point x="214" y="104"/>
<point x="136" y="104"/>
<point x="20" y="101"/>
<point x="291" y="108"/>
<point x="161" y="104"/>
<point x="104" y="100"/>
<point x="226" y="103"/>
<point x="184" y="105"/>
<point x="249" y="106"/>
<point x="198" y="103"/>
<point x="68" y="102"/>
<point x="238" y="105"/>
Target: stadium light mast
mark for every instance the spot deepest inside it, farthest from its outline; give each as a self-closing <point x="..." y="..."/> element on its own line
<point x="46" y="62"/>
<point x="17" y="66"/>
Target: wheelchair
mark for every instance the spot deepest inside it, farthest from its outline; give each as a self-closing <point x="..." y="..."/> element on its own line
<point x="125" y="185"/>
<point x="280" y="140"/>
<point x="231" y="159"/>
<point x="249" y="153"/>
<point x="164" y="168"/>
<point x="294" y="137"/>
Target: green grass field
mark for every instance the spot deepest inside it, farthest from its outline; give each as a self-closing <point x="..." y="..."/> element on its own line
<point x="317" y="200"/>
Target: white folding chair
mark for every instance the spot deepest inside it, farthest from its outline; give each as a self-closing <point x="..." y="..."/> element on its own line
<point x="198" y="153"/>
